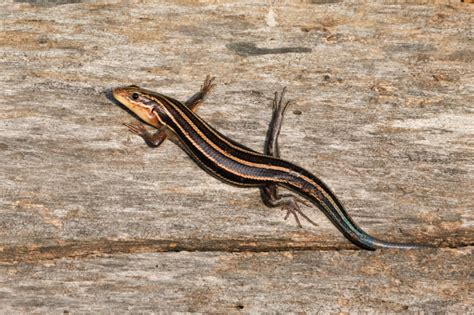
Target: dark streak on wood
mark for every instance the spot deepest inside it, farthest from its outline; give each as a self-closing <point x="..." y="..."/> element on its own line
<point x="250" y="49"/>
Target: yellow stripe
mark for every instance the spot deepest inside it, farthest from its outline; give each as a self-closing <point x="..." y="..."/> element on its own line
<point x="214" y="146"/>
<point x="247" y="163"/>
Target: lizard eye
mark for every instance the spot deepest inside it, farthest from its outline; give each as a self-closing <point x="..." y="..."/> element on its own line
<point x="135" y="96"/>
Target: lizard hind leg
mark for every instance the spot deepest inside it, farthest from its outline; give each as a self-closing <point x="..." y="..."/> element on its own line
<point x="269" y="194"/>
<point x="278" y="111"/>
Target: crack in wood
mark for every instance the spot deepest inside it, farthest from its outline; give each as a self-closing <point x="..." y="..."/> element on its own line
<point x="32" y="253"/>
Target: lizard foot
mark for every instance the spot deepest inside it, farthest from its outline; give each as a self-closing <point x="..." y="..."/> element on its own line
<point x="278" y="106"/>
<point x="208" y="84"/>
<point x="137" y="128"/>
<point x="292" y="207"/>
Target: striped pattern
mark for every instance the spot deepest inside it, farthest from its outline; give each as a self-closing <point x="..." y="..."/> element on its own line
<point x="236" y="164"/>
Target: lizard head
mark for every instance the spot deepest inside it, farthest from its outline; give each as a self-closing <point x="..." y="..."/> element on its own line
<point x="140" y="101"/>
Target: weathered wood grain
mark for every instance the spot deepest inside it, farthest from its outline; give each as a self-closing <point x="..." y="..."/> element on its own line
<point x="382" y="111"/>
<point x="429" y="281"/>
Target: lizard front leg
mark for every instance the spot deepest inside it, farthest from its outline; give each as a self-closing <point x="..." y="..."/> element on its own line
<point x="197" y="99"/>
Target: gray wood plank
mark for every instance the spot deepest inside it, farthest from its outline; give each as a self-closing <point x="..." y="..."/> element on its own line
<point x="384" y="91"/>
<point x="382" y="111"/>
<point x="430" y="281"/>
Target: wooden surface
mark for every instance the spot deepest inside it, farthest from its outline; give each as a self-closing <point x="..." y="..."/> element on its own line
<point x="426" y="281"/>
<point x="92" y="219"/>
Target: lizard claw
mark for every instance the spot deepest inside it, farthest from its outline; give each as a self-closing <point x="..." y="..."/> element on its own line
<point x="293" y="208"/>
<point x="208" y="84"/>
<point x="136" y="128"/>
<point x="278" y="102"/>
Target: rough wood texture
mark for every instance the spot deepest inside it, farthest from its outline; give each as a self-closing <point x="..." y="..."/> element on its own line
<point x="429" y="280"/>
<point x="382" y="111"/>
